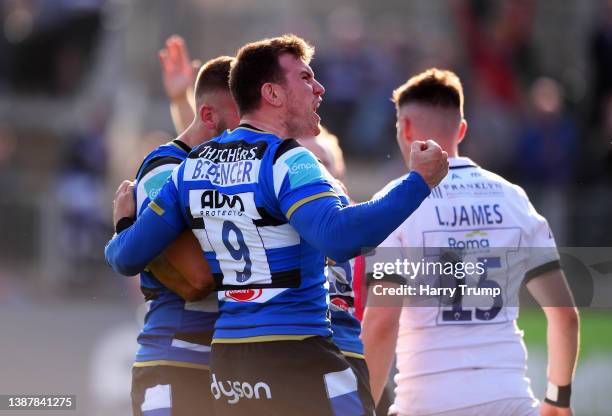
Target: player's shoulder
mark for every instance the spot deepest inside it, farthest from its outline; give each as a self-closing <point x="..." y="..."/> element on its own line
<point x="510" y="189"/>
<point x="392" y="184"/>
<point x="285" y="148"/>
<point x="168" y="154"/>
<point x="297" y="165"/>
<point x="174" y="148"/>
<point x="464" y="170"/>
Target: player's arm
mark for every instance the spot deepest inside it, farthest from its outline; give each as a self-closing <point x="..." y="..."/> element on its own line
<point x="547" y="284"/>
<point x="551" y="291"/>
<point x="379" y="335"/>
<point x="178" y="76"/>
<point x="185" y="269"/>
<point x="136" y="245"/>
<point x="319" y="218"/>
<point x="381" y="323"/>
<point x="189" y="286"/>
<point x="182" y="267"/>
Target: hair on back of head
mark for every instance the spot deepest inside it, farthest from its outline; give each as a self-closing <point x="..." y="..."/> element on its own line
<point x="257" y="63"/>
<point x="433" y="87"/>
<point x="213" y="76"/>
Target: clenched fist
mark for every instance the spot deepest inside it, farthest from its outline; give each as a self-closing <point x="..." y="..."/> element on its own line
<point x="430" y="161"/>
<point x="124" y="204"/>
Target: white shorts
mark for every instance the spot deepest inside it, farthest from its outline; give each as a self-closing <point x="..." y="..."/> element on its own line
<point x="504" y="407"/>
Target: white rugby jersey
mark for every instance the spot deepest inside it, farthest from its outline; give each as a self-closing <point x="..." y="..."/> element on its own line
<point x="454" y="355"/>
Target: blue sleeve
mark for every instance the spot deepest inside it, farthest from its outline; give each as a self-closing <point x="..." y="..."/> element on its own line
<point x="157" y="226"/>
<point x="340" y="233"/>
<point x="151" y="179"/>
<point x="298" y="178"/>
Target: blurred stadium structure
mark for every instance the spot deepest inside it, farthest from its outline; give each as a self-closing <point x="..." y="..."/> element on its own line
<point x="81" y="101"/>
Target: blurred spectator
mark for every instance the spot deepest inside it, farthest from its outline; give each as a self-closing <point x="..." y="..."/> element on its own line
<point x="84" y="218"/>
<point x="9" y="174"/>
<point x="497" y="43"/>
<point x="597" y="157"/>
<point x="548" y="140"/>
<point x="48" y="43"/>
<point x="604" y="139"/>
<point x="600" y="50"/>
<point x="545" y="160"/>
<point x="497" y="37"/>
<point x="359" y="79"/>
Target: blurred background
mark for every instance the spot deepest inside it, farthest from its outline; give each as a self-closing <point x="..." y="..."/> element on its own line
<point x="81" y="102"/>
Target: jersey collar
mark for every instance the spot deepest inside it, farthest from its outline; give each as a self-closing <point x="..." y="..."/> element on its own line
<point x="461" y="163"/>
<point x="250" y="127"/>
<point x="182" y="145"/>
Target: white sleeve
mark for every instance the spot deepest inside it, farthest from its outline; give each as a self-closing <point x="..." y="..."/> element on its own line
<point x="540" y="242"/>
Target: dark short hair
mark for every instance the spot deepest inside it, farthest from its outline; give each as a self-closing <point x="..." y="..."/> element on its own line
<point x="213" y="76"/>
<point x="435" y="87"/>
<point x="257" y="63"/>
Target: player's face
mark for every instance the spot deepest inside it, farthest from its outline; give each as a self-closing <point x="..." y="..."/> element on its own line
<point x="228" y="117"/>
<point x="303" y="97"/>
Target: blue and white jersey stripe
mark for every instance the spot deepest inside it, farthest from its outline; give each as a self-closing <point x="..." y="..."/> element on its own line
<point x="237" y="192"/>
<point x="174" y="331"/>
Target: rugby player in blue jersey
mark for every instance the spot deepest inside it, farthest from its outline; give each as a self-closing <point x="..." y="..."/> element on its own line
<point x="170" y="373"/>
<point x="266" y="218"/>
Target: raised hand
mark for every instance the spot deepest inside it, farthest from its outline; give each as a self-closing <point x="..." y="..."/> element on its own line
<point x="178" y="71"/>
<point x="430" y="161"/>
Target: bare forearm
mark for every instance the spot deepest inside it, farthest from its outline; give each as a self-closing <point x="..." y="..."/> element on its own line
<point x="563" y="343"/>
<point x="182" y="112"/>
<point x="379" y="345"/>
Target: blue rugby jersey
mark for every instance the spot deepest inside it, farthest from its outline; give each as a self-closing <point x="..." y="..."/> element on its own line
<point x="345" y="327"/>
<point x="175" y="331"/>
<point x="237" y="192"/>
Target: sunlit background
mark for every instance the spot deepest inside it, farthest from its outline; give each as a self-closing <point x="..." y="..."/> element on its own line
<point x="81" y="102"/>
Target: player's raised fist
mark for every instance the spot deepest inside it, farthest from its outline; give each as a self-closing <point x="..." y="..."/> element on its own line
<point x="124" y="204"/>
<point x="430" y="161"/>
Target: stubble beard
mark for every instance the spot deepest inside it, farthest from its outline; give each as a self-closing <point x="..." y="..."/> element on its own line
<point x="299" y="125"/>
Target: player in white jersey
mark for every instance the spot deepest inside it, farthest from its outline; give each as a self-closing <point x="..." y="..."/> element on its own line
<point x="456" y="358"/>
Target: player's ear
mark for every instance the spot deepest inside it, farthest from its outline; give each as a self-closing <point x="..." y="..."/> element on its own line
<point x="207" y="116"/>
<point x="462" y="130"/>
<point x="406" y="129"/>
<point x="273" y="94"/>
